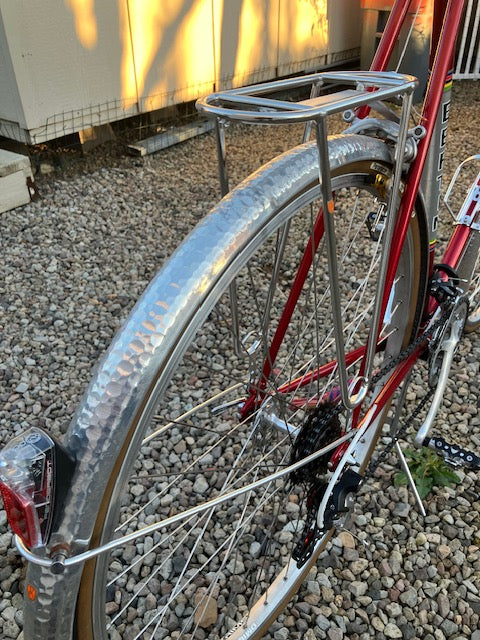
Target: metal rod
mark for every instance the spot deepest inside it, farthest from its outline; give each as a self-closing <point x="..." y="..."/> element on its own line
<point x="114" y="544"/>
<point x="473" y="38"/>
<point x="454" y="180"/>
<point x="221" y="156"/>
<point x="281" y="244"/>
<point x="255" y="101"/>
<point x="224" y="188"/>
<point x="350" y="402"/>
<point x="237" y="343"/>
<point x="410" y="479"/>
<point x="375" y="77"/>
<point x="314" y="93"/>
<point x="369" y="86"/>
<point x="464" y="37"/>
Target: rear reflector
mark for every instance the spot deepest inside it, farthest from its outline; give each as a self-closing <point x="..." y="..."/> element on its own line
<point x="22" y="515"/>
<point x="29" y="468"/>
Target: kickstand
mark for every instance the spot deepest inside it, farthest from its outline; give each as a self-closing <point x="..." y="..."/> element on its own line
<point x="410" y="479"/>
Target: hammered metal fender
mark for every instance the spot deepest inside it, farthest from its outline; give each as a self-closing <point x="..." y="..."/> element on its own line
<point x="154" y="337"/>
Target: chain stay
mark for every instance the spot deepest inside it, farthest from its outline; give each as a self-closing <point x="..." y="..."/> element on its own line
<point x="423" y="337"/>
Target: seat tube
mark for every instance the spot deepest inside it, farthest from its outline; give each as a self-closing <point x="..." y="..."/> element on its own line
<point x="431" y="182"/>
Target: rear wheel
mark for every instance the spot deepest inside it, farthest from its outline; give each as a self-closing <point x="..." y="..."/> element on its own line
<point x="227" y="571"/>
<point x="473" y="320"/>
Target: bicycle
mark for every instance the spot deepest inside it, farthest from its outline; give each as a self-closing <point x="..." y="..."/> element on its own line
<point x="298" y="403"/>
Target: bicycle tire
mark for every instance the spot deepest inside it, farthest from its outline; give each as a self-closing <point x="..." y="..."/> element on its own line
<point x="280" y="193"/>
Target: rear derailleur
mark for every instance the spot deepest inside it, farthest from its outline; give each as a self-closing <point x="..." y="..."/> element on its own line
<point x="337" y="508"/>
<point x="455" y="307"/>
<point x="320" y="429"/>
<point x="445" y="340"/>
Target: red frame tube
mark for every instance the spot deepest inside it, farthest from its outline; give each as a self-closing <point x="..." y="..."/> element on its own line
<point x="440" y="69"/>
<point x="456" y="244"/>
<point x="460" y="236"/>
<point x="387" y="43"/>
<point x="390" y="35"/>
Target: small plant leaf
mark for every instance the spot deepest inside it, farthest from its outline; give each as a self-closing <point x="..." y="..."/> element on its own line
<point x="428" y="470"/>
<point x="424" y="485"/>
<point x="400" y="479"/>
<point x="445" y="477"/>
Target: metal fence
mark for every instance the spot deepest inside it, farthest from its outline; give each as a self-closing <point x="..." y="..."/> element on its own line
<point x="468" y="58"/>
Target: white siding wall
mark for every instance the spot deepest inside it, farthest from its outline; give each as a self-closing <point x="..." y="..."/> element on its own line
<point x="71" y="64"/>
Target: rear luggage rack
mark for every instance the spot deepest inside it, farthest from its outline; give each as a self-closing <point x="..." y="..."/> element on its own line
<point x="354" y="89"/>
<point x="250" y="104"/>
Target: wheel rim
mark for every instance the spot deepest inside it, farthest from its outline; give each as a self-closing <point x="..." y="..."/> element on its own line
<point x="261" y="447"/>
<point x="473" y="320"/>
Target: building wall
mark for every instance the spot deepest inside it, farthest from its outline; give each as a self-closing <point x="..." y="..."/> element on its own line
<point x="72" y="64"/>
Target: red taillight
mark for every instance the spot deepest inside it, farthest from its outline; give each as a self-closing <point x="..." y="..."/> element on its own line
<point x="22" y="516"/>
<point x="34" y="475"/>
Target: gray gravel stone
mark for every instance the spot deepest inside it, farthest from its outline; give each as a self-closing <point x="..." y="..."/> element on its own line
<point x="392" y="631"/>
<point x="70" y="272"/>
<point x="200" y="485"/>
<point x="443" y="605"/>
<point x="409" y="597"/>
<point x="358" y="588"/>
<point x="10" y="629"/>
<point x="322" y="622"/>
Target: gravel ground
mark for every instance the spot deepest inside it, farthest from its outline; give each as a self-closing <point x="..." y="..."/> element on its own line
<point x="75" y="261"/>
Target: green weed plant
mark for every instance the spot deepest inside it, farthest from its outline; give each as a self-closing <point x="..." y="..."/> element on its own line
<point x="428" y="470"/>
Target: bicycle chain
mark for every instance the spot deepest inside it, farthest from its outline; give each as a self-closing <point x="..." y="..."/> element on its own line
<point x="423" y="337"/>
<point x="374" y="464"/>
<point x="384" y="370"/>
<point x="304" y="547"/>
